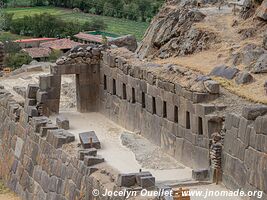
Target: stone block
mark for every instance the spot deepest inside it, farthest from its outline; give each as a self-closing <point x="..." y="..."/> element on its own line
<point x="44" y="129"/>
<point x="140" y="175"/>
<point x="92" y="160"/>
<point x="63" y="122"/>
<point x="252" y="112"/>
<point x="126" y="180"/>
<point x="204" y="109"/>
<point x="200" y="97"/>
<point x="32" y="111"/>
<point x="59" y="137"/>
<point x="148" y="182"/>
<point x="200" y="174"/>
<point x="89" y="140"/>
<point x="87" y="152"/>
<point x="243" y="133"/>
<point x="261" y="125"/>
<point x="30" y="102"/>
<point x="19" y="146"/>
<point x="213" y="87"/>
<point x="170" y="112"/>
<point x="159" y="104"/>
<point x="148" y="102"/>
<point x="38" y="122"/>
<point x="41" y="96"/>
<point x="31" y="91"/>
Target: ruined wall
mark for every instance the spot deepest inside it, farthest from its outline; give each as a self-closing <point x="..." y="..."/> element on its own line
<point x="35" y="166"/>
<point x="245" y="150"/>
<point x="168" y="115"/>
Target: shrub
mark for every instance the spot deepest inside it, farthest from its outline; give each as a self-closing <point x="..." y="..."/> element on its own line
<point x="16" y="60"/>
<point x="94" y="25"/>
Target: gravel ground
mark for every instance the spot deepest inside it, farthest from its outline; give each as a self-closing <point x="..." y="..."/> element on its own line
<point x="148" y="155"/>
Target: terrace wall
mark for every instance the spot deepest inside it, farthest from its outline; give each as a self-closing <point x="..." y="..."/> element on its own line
<point x="245" y="152"/>
<point x="177" y="120"/>
<point x="35" y="169"/>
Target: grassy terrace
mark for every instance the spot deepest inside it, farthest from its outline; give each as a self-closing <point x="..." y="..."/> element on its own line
<point x="115" y="25"/>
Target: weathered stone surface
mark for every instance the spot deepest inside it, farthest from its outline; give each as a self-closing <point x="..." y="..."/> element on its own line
<point x="63" y="122"/>
<point x="140" y="175"/>
<point x="147" y="182"/>
<point x="18" y="148"/>
<point x="224" y="71"/>
<point x="261" y="125"/>
<point x="212" y="86"/>
<point x="126" y="180"/>
<point x="243" y="78"/>
<point x="128" y="41"/>
<point x="59" y="137"/>
<point x="200" y="174"/>
<point x="87" y="152"/>
<point x="161" y="41"/>
<point x="91" y="160"/>
<point x="32" y="111"/>
<point x="265" y="41"/>
<point x="38" y="122"/>
<point x="252" y="112"/>
<point x="32" y="90"/>
<point x="44" y="129"/>
<point x="261" y="65"/>
<point x="262" y="11"/>
<point x="88" y="137"/>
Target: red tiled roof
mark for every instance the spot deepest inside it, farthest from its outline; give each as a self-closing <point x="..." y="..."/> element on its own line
<point x="89" y="37"/>
<point x="38" y="52"/>
<point x="60" y="44"/>
<point x="35" y="40"/>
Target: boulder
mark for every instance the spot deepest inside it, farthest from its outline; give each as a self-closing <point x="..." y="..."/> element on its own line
<point x="224" y="71"/>
<point x="251" y="53"/>
<point x="261" y="65"/>
<point x="262" y="11"/>
<point x="243" y="78"/>
<point x="128" y="41"/>
<point x="265" y="86"/>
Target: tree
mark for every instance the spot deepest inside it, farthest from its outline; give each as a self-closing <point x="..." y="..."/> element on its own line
<point x="44" y="25"/>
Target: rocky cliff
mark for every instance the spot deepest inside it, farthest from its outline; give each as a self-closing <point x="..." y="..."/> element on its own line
<point x="172" y="32"/>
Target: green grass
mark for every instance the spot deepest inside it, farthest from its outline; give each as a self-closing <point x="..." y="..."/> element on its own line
<point x="115" y="25"/>
<point x="6" y="36"/>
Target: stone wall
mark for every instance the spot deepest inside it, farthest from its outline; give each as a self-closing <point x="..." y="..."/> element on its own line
<point x="245" y="150"/>
<point x="170" y="116"/>
<point x="36" y="166"/>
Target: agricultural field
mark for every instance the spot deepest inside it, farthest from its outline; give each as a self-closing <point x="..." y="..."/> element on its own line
<point x="114" y="25"/>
